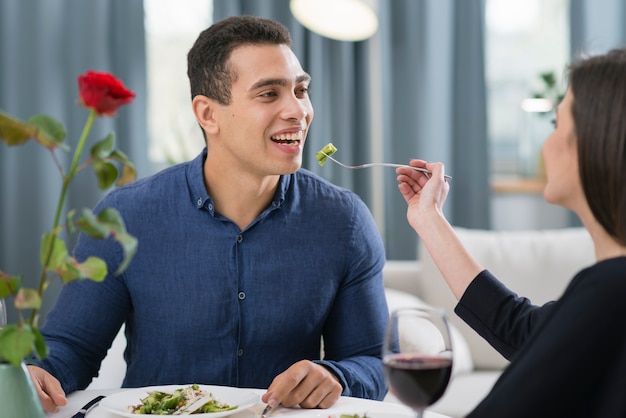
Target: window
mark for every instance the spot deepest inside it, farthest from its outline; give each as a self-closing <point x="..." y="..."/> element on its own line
<point x="171" y="29"/>
<point x="523" y="40"/>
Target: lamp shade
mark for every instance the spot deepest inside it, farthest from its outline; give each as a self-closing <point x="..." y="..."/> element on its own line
<point x="342" y="20"/>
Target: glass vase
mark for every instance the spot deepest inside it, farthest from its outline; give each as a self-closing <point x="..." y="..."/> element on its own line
<point x="18" y="396"/>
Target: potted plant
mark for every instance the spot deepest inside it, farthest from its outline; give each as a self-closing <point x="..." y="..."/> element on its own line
<point x="103" y="95"/>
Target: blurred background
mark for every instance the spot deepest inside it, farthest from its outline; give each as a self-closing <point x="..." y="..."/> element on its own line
<point x="471" y="83"/>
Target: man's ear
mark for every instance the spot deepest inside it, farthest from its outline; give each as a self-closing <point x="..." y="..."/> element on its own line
<point x="204" y="109"/>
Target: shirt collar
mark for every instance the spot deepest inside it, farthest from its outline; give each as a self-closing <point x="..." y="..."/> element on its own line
<point x="200" y="197"/>
<point x="195" y="180"/>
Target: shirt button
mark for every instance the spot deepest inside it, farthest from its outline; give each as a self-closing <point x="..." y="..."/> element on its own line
<point x="210" y="206"/>
<point x="241" y="295"/>
<point x="239" y="238"/>
<point x="199" y="202"/>
<point x="240" y="352"/>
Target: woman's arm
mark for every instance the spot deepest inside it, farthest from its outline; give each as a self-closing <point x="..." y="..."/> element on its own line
<point x="425" y="195"/>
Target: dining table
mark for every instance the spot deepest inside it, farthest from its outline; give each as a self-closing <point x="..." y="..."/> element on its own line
<point x="345" y="405"/>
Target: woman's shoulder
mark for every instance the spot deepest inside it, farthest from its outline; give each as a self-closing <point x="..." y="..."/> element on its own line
<point x="601" y="285"/>
<point x="610" y="270"/>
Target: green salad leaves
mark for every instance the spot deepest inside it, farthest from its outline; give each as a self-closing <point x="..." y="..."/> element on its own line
<point x="189" y="400"/>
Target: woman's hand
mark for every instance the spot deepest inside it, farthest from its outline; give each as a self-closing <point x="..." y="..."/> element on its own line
<point x="424" y="193"/>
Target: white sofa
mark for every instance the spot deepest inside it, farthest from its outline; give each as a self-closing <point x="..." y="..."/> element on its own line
<point x="535" y="264"/>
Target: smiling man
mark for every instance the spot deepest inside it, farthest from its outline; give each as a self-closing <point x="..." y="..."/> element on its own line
<point x="245" y="260"/>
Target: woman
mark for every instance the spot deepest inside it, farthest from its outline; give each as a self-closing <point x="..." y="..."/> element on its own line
<point x="568" y="357"/>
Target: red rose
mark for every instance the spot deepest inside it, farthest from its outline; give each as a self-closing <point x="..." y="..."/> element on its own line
<point x="103" y="93"/>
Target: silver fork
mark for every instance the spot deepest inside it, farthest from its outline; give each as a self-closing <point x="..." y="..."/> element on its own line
<point x="427" y="172"/>
<point x="266" y="411"/>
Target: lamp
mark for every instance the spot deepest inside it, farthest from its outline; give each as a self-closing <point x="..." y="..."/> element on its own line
<point x="342" y="20"/>
<point x="537" y="105"/>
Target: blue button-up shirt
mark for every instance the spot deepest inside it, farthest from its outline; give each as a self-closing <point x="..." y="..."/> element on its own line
<point x="205" y="302"/>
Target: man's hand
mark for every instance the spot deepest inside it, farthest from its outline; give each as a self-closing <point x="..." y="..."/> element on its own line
<point x="48" y="389"/>
<point x="306" y="384"/>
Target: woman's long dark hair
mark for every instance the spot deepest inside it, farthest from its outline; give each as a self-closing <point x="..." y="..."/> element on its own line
<point x="598" y="84"/>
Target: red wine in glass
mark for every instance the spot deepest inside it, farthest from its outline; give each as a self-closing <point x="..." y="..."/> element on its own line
<point x="417" y="356"/>
<point x="418" y="381"/>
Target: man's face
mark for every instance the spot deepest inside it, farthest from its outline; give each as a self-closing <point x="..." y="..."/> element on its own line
<point x="264" y="128"/>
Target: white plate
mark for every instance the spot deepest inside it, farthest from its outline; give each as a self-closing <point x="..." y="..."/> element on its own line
<point x="119" y="402"/>
<point x="360" y="414"/>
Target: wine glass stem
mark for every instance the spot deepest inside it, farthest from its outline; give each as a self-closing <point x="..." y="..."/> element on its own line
<point x="3" y="313"/>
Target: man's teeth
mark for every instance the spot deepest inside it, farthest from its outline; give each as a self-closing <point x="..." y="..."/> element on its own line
<point x="289" y="139"/>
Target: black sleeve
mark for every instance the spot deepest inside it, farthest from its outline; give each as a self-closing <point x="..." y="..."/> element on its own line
<point x="573" y="363"/>
<point x="500" y="316"/>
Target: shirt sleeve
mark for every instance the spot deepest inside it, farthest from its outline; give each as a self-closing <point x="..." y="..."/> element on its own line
<point x="354" y="331"/>
<point x="75" y="352"/>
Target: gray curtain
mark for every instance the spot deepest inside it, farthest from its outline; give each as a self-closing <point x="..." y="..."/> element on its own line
<point x="597" y="25"/>
<point x="44" y="46"/>
<point x="434" y="103"/>
<point x="426" y="67"/>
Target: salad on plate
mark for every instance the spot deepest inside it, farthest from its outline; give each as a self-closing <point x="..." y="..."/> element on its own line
<point x="188" y="400"/>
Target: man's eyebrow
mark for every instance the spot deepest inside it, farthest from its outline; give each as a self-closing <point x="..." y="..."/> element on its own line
<point x="303" y="78"/>
<point x="265" y="82"/>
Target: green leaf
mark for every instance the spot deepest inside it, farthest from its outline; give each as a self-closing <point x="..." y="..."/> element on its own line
<point x="50" y="133"/>
<point x="112" y="218"/>
<point x="103" y="155"/>
<point x="47" y="131"/>
<point x="40" y="347"/>
<point x="91" y="225"/>
<point x="105" y="172"/>
<point x="5" y="289"/>
<point x="27" y="299"/>
<point x="13" y="131"/>
<point x="129" y="245"/>
<point x="93" y="268"/>
<point x="70" y="223"/>
<point x="107" y="222"/>
<point x="66" y="271"/>
<point x="59" y="251"/>
<point x="16" y="343"/>
<point x="128" y="174"/>
<point x="549" y="78"/>
<point x="128" y="168"/>
<point x="9" y="285"/>
<point x="103" y="148"/>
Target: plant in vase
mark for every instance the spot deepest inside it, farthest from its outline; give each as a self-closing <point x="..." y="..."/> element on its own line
<point x="103" y="95"/>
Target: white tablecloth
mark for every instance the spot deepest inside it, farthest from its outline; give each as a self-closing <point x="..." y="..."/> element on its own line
<point x="345" y="405"/>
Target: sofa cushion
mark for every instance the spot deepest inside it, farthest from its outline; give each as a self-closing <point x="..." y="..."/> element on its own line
<point x="461" y="356"/>
<point x="535" y="264"/>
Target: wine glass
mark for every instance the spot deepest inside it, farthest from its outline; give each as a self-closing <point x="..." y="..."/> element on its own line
<point x="417" y="356"/>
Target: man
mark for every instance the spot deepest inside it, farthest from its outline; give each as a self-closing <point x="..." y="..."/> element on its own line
<point x="245" y="261"/>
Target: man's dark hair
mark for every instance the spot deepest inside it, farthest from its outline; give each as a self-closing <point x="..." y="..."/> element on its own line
<point x="207" y="61"/>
